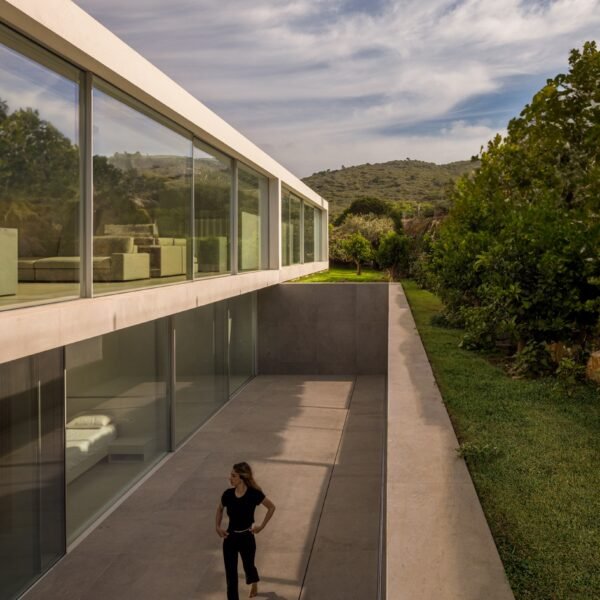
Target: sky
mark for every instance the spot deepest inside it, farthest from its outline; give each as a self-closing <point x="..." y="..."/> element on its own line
<point x="319" y="84"/>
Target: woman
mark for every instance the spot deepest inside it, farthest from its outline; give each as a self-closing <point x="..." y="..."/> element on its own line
<point x="240" y="500"/>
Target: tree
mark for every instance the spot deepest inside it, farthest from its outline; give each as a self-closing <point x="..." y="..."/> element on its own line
<point x="365" y="206"/>
<point x="518" y="255"/>
<point x="393" y="254"/>
<point x="358" y="249"/>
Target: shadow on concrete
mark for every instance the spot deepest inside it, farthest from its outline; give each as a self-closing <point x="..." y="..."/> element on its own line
<point x="160" y="542"/>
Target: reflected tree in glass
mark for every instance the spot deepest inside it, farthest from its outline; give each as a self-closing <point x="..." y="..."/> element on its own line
<point x="142" y="193"/>
<point x="253" y="198"/>
<point x="39" y="174"/>
<point x="212" y="210"/>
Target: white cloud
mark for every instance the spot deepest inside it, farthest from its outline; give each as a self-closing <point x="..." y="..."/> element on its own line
<point x="311" y="81"/>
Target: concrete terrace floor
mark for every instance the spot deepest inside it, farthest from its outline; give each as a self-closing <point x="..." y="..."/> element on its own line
<point x="316" y="444"/>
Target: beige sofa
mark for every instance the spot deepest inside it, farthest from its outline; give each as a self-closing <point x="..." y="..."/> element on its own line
<point x="167" y="254"/>
<point x="116" y="258"/>
<point x="121" y="253"/>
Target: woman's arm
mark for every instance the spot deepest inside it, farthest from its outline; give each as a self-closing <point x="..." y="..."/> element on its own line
<point x="219" y="517"/>
<point x="270" y="510"/>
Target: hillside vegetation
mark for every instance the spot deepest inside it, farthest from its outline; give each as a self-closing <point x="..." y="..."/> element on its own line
<point x="409" y="182"/>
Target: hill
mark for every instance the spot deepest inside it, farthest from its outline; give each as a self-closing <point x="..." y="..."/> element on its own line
<point x="405" y="181"/>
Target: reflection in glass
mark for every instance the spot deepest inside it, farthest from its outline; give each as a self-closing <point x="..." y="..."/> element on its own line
<point x="253" y="205"/>
<point x="309" y="233"/>
<point x="318" y="235"/>
<point x="39" y="174"/>
<point x="142" y="191"/>
<point x="117" y="416"/>
<point x="212" y="206"/>
<point x="32" y="523"/>
<point x="291" y="207"/>
<point x="240" y="334"/>
<point x="201" y="383"/>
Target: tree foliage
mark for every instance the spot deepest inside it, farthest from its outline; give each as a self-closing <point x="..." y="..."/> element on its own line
<point x="393" y="254"/>
<point x="357" y="249"/>
<point x="519" y="254"/>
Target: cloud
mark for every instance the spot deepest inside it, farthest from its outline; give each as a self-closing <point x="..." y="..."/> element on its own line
<point x="312" y="81"/>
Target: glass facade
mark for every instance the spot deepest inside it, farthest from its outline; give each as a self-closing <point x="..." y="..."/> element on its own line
<point x="201" y="370"/>
<point x="32" y="502"/>
<point x="291" y="216"/>
<point x="39" y="175"/>
<point x="241" y="339"/>
<point x="125" y="409"/>
<point x="301" y="236"/>
<point x="142" y="193"/>
<point x="309" y="233"/>
<point x="163" y="203"/>
<point x="252" y="220"/>
<point x="117" y="422"/>
<point x="318" y="234"/>
<point x="213" y="188"/>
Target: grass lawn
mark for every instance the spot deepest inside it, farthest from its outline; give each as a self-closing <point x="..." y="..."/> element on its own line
<point x="533" y="450"/>
<point x="340" y="274"/>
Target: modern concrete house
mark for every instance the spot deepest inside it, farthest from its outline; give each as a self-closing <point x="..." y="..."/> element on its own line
<point x="136" y="228"/>
<point x="147" y="344"/>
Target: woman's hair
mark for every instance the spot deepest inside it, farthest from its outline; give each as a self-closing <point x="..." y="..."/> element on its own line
<point x="244" y="470"/>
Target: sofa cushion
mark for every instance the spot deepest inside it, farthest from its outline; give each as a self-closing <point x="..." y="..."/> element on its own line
<point x="58" y="262"/>
<point x="105" y="245"/>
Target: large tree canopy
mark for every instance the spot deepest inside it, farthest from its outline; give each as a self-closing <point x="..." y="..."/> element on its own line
<point x="519" y="254"/>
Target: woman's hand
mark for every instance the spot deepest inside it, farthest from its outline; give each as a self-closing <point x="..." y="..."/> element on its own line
<point x="221" y="532"/>
<point x="256" y="529"/>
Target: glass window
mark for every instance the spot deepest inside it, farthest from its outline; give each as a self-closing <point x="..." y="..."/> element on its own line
<point x="212" y="209"/>
<point x="318" y="235"/>
<point x="142" y="196"/>
<point x="286" y="234"/>
<point x="32" y="515"/>
<point x="201" y="383"/>
<point x="39" y="174"/>
<point x="309" y="233"/>
<point x="241" y="338"/>
<point x="117" y="423"/>
<point x="291" y="212"/>
<point x="253" y="206"/>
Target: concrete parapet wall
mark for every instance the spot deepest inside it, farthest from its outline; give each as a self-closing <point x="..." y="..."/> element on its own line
<point x="438" y="543"/>
<point x="323" y="328"/>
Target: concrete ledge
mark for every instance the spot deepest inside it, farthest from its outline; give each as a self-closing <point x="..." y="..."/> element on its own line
<point x="35" y="329"/>
<point x="438" y="546"/>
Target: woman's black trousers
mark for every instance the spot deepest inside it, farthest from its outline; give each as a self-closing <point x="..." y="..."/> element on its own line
<point x="245" y="545"/>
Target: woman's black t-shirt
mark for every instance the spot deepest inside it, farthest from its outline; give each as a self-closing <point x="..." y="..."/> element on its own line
<point x="241" y="510"/>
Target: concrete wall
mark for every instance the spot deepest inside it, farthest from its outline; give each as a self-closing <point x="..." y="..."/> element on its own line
<point x="323" y="328"/>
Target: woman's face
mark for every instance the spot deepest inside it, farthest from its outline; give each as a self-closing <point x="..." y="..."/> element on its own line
<point x="234" y="478"/>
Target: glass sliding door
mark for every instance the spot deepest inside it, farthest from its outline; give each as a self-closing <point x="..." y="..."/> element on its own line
<point x="32" y="502"/>
<point x="318" y="235"/>
<point x="309" y="233"/>
<point x="117" y="423"/>
<point x="291" y="215"/>
<point x="39" y="174"/>
<point x="142" y="195"/>
<point x="212" y="211"/>
<point x="201" y="382"/>
<point x="253" y="223"/>
<point x="241" y="339"/>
